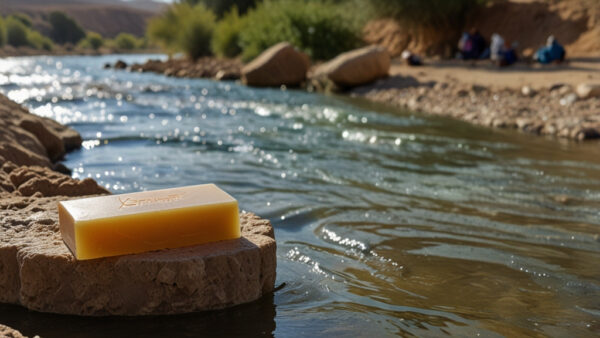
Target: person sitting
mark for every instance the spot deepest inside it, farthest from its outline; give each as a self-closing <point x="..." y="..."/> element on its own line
<point x="502" y="52"/>
<point x="471" y="46"/>
<point x="411" y="59"/>
<point x="552" y="52"/>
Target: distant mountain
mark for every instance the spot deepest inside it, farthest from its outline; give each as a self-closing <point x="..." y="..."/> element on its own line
<point x="107" y="17"/>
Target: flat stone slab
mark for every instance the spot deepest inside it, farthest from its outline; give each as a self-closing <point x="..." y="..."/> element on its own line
<point x="38" y="271"/>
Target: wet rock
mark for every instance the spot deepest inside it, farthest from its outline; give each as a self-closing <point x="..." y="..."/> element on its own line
<point x="588" y="90"/>
<point x="107" y="65"/>
<point x="120" y="64"/>
<point x="357" y="67"/>
<point x="281" y="64"/>
<point x="7" y="332"/>
<point x="223" y="75"/>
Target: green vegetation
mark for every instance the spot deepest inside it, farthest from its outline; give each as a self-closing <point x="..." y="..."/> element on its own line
<point x="321" y="29"/>
<point x="16" y="32"/>
<point x="127" y="41"/>
<point x="226" y="39"/>
<point x="2" y="32"/>
<point x="65" y="29"/>
<point x="36" y="40"/>
<point x="184" y="28"/>
<point x="440" y="14"/>
<point x="221" y="7"/>
<point x="24" y="18"/>
<point x="92" y="40"/>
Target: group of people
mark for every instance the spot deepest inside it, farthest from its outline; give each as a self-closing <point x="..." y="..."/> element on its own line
<point x="472" y="46"/>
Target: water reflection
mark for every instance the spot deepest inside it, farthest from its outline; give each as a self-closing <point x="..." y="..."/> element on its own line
<point x="256" y="319"/>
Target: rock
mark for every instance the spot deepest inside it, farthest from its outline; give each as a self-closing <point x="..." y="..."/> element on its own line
<point x="223" y="75"/>
<point x="478" y="89"/>
<point x="40" y="273"/>
<point x="281" y="64"/>
<point x="30" y="180"/>
<point x="568" y="100"/>
<point x="120" y="64"/>
<point x="27" y="139"/>
<point x="588" y="90"/>
<point x="556" y="86"/>
<point x="528" y="91"/>
<point x="7" y="332"/>
<point x="357" y="67"/>
<point x="107" y="65"/>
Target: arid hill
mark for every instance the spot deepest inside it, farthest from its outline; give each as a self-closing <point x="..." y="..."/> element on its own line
<point x="107" y="17"/>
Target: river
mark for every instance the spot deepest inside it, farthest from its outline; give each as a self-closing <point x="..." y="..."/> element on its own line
<point x="387" y="222"/>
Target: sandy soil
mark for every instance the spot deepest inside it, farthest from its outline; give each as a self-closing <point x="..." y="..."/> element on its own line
<point x="483" y="73"/>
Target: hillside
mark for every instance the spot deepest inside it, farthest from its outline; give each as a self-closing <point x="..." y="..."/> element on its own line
<point x="107" y="17"/>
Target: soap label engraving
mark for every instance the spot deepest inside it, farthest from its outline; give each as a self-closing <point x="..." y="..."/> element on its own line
<point x="133" y="202"/>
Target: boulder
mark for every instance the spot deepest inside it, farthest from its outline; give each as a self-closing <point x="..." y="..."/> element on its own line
<point x="120" y="64"/>
<point x="357" y="67"/>
<point x="588" y="90"/>
<point x="282" y="64"/>
<point x="40" y="273"/>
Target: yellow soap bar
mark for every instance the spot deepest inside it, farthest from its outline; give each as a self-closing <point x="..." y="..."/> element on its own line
<point x="150" y="220"/>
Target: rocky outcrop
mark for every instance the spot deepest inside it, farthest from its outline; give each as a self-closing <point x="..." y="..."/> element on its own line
<point x="27" y="139"/>
<point x="356" y="67"/>
<point x="43" y="182"/>
<point x="281" y="64"/>
<point x="40" y="273"/>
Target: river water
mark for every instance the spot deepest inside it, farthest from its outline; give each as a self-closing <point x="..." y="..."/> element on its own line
<point x="387" y="222"/>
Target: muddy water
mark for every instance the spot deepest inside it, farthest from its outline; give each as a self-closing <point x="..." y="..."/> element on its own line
<point x="387" y="222"/>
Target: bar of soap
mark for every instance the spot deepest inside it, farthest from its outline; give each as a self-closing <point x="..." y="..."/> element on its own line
<point x="146" y="221"/>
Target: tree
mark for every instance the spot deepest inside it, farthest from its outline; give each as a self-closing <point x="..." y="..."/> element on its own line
<point x="65" y="29"/>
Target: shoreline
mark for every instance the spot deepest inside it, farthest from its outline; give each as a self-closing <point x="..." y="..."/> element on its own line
<point x="533" y="99"/>
<point x="543" y="103"/>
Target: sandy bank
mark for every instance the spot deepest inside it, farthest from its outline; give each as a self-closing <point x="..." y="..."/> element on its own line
<point x="534" y="99"/>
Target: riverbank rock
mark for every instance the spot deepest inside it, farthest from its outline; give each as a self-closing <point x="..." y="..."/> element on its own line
<point x="7" y="332"/>
<point x="587" y="90"/>
<point x="357" y="67"/>
<point x="41" y="274"/>
<point x="282" y="64"/>
<point x="44" y="182"/>
<point x="27" y="139"/>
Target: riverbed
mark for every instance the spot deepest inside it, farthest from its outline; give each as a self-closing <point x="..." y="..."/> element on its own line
<point x="388" y="222"/>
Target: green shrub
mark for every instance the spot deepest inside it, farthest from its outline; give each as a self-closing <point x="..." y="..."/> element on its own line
<point x="221" y="7"/>
<point x="2" y="32"/>
<point x="438" y="14"/>
<point x="183" y="28"/>
<point x="16" y="32"/>
<point x="24" y="18"/>
<point x="126" y="41"/>
<point x="38" y="41"/>
<point x="321" y="29"/>
<point x="226" y="38"/>
<point x="92" y="40"/>
<point x="65" y="29"/>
